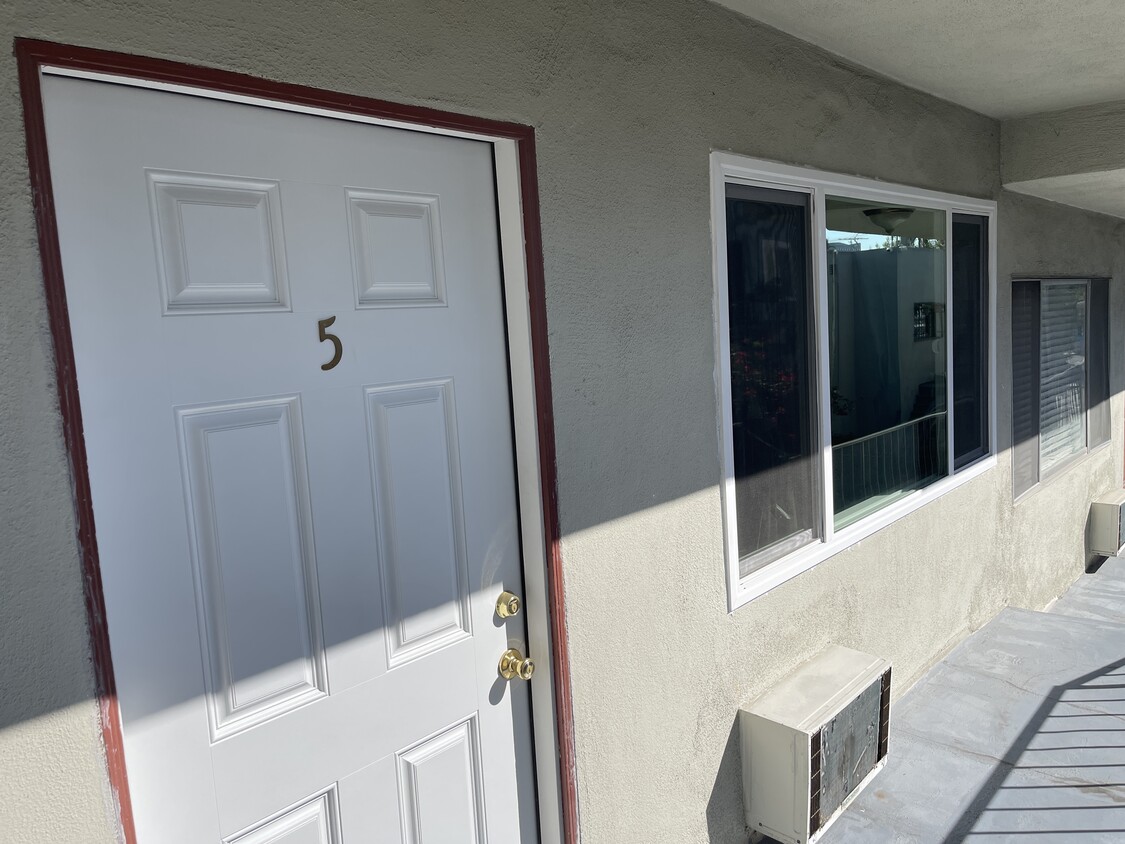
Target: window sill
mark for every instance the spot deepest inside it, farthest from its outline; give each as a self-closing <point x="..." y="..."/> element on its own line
<point x="758" y="583"/>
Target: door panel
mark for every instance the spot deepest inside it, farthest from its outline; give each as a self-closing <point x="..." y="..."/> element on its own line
<point x="300" y="565"/>
<point x="218" y="242"/>
<point x="396" y="246"/>
<point x="440" y="783"/>
<point x="420" y="517"/>
<point x="250" y="533"/>
<point x="312" y="821"/>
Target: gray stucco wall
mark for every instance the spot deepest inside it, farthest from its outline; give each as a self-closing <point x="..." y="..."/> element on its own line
<point x="1088" y="139"/>
<point x="1042" y="238"/>
<point x="627" y="98"/>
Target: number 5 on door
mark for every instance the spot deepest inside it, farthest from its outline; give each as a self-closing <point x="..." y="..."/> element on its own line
<point x="325" y="335"/>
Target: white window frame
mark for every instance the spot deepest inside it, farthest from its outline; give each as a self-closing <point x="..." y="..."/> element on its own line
<point x="727" y="168"/>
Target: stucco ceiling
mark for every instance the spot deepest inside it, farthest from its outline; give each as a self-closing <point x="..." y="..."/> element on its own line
<point x="1003" y="58"/>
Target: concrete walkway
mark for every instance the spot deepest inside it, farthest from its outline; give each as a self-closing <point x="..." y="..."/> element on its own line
<point x="1018" y="735"/>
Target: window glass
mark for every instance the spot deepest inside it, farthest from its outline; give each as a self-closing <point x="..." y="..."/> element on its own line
<point x="1025" y="386"/>
<point x="887" y="352"/>
<point x="844" y="359"/>
<point x="777" y="489"/>
<point x="1099" y="418"/>
<point x="970" y="338"/>
<point x="1062" y="374"/>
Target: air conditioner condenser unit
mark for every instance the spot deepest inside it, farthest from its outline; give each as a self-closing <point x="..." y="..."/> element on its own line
<point x="1107" y="524"/>
<point x="812" y="742"/>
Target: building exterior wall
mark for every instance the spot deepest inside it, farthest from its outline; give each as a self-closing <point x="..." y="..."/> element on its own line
<point x="627" y="99"/>
<point x="1079" y="140"/>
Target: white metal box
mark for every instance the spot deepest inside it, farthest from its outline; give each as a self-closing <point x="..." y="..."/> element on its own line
<point x="813" y="741"/>
<point x="1107" y="533"/>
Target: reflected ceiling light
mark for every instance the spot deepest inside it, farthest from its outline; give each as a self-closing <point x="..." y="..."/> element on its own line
<point x="888" y="219"/>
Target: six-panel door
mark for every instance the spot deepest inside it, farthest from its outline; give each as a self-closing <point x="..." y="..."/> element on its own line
<point x="290" y="346"/>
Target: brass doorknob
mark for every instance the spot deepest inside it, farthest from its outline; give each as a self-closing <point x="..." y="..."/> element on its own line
<point x="513" y="664"/>
<point x="508" y="604"/>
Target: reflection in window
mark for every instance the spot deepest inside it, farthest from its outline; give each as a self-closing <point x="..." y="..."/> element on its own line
<point x="887" y="353"/>
<point x="769" y="281"/>
<point x="970" y="338"/>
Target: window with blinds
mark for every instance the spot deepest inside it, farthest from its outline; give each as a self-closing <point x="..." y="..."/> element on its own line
<point x="1060" y="375"/>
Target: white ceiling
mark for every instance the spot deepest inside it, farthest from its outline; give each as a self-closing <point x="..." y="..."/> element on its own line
<point x="1003" y="58"/>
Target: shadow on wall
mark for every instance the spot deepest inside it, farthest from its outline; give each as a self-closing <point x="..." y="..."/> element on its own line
<point x="725" y="812"/>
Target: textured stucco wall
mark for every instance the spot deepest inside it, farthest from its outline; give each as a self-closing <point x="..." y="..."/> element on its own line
<point x="1089" y="139"/>
<point x="627" y="98"/>
<point x="1039" y="238"/>
<point x="1076" y="156"/>
<point x="52" y="760"/>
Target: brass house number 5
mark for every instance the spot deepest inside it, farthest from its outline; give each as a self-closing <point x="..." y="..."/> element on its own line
<point x="325" y="336"/>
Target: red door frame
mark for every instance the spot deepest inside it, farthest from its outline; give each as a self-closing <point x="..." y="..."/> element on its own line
<point x="31" y="56"/>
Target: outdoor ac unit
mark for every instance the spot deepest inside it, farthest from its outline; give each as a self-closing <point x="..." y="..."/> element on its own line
<point x="813" y="741"/>
<point x="1107" y="524"/>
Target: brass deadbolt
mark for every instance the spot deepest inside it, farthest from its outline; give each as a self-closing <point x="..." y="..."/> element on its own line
<point x="514" y="665"/>
<point x="508" y="604"/>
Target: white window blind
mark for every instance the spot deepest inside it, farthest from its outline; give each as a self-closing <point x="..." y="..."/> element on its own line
<point x="1062" y="374"/>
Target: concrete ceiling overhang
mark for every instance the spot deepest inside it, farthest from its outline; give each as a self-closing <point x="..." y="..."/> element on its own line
<point x="1075" y="156"/>
<point x="1002" y="58"/>
<point x="1052" y="72"/>
<point x="1100" y="192"/>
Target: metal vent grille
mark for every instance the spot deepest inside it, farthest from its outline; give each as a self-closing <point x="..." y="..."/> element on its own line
<point x="849" y="748"/>
<point x="884" y="714"/>
<point x="814" y="783"/>
<point x="1120" y="526"/>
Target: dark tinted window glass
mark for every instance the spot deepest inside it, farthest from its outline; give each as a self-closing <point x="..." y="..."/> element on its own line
<point x="1097" y="358"/>
<point x="970" y="338"/>
<point x="1025" y="386"/>
<point x="777" y="491"/>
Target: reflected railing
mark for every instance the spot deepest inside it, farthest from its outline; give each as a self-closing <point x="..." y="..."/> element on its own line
<point x="872" y="471"/>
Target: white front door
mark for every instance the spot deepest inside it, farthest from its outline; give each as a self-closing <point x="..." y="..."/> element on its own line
<point x="290" y="347"/>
